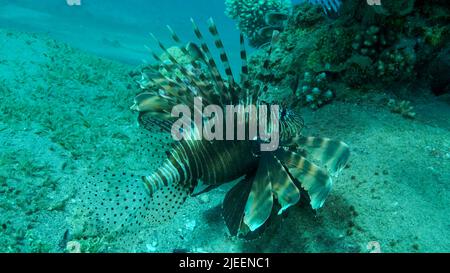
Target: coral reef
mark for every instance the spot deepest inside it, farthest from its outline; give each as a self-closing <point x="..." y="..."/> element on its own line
<point x="371" y="41"/>
<point x="396" y="64"/>
<point x="307" y="15"/>
<point x="395" y="8"/>
<point x="365" y="47"/>
<point x="313" y="90"/>
<point x="257" y="19"/>
<point x="251" y="16"/>
<point x="403" y="108"/>
<point x="438" y="72"/>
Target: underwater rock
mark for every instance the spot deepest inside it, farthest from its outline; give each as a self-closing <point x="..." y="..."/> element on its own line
<point x="73" y="247"/>
<point x="398" y="8"/>
<point x="275" y="18"/>
<point x="439" y="71"/>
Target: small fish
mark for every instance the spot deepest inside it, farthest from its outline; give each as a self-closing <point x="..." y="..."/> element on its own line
<point x="268" y="31"/>
<point x="327" y="5"/>
<point x="276" y="18"/>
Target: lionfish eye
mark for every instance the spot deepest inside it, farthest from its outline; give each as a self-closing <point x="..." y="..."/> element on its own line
<point x="283" y="113"/>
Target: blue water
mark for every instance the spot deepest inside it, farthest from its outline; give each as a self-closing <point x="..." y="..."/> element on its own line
<point x="117" y="29"/>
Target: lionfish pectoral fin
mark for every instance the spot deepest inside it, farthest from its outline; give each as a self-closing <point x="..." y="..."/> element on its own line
<point x="151" y="102"/>
<point x="283" y="186"/>
<point x="311" y="177"/>
<point x="333" y="154"/>
<point x="260" y="200"/>
<point x="233" y="206"/>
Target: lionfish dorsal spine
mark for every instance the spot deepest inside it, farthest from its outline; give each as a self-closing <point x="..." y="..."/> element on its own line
<point x="266" y="72"/>
<point x="188" y="75"/>
<point x="223" y="56"/>
<point x="244" y="65"/>
<point x="185" y="51"/>
<point x="209" y="60"/>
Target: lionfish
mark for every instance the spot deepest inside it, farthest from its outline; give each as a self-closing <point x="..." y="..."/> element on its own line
<point x="269" y="181"/>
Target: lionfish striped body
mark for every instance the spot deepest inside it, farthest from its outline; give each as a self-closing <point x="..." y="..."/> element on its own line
<point x="269" y="181"/>
<point x="213" y="163"/>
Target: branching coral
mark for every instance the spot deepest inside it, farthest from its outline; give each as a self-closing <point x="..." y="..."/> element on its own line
<point x="403" y="108"/>
<point x="313" y="90"/>
<point x="397" y="64"/>
<point x="373" y="40"/>
<point x="251" y="16"/>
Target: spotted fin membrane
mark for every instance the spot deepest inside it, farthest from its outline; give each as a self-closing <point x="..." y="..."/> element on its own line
<point x="116" y="206"/>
